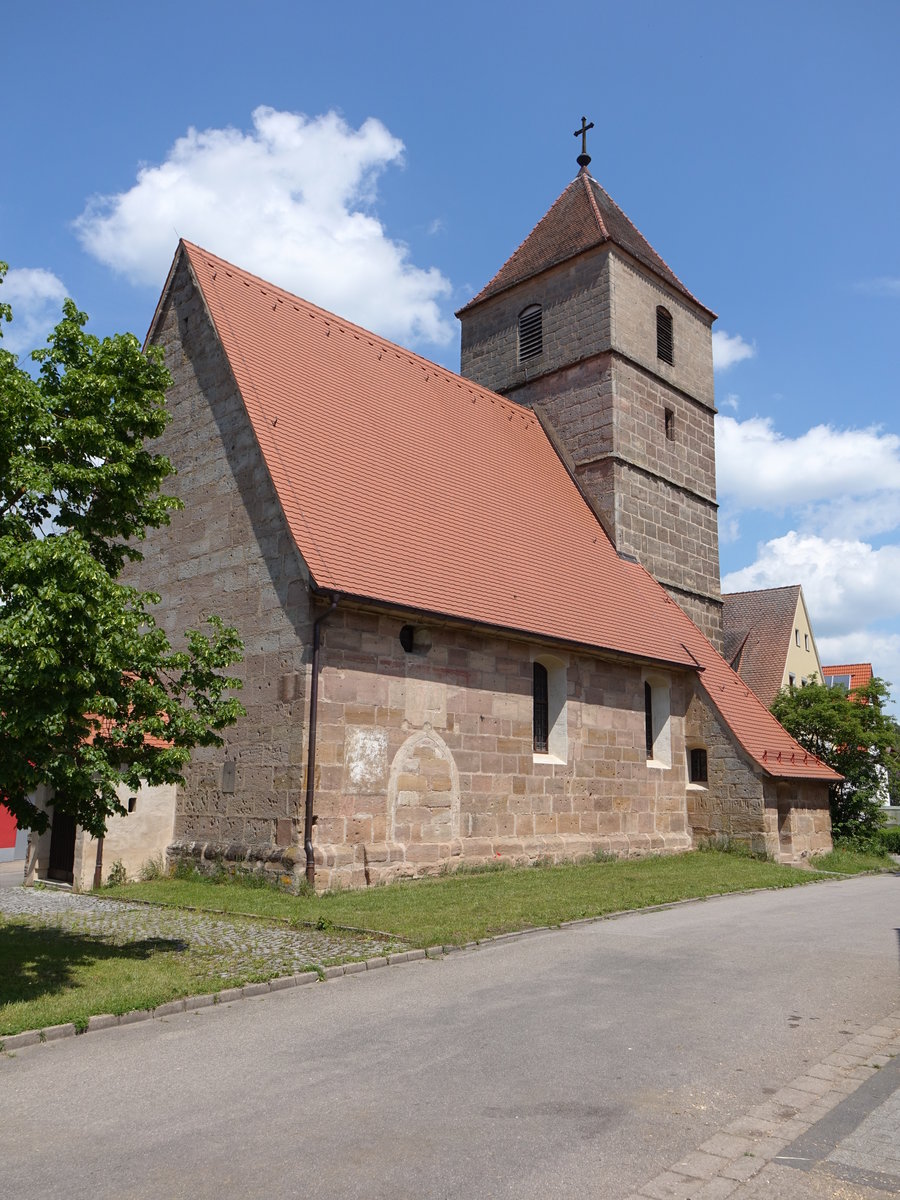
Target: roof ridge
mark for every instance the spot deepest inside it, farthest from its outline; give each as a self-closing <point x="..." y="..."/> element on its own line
<point x="509" y="257"/>
<point x="588" y="179"/>
<point x="342" y="323"/>
<point x="783" y="587"/>
<point x="677" y="278"/>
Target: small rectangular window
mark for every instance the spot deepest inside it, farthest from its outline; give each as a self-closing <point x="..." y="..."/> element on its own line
<point x="806" y="641"/>
<point x="797" y="636"/>
<point x="670" y="424"/>
<point x="698" y="766"/>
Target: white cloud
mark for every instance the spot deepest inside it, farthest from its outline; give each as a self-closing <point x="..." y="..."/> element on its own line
<point x="729" y="349"/>
<point x="882" y="650"/>
<point x="841" y="579"/>
<point x="732" y="401"/>
<point x="885" y="285"/>
<point x="36" y="297"/>
<point x="758" y="467"/>
<point x="290" y="200"/>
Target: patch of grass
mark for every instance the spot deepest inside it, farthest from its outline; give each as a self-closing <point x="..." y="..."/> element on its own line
<point x="847" y="860"/>
<point x="49" y="976"/>
<point x="466" y="906"/>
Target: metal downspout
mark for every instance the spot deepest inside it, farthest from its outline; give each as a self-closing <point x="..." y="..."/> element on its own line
<point x="311" y="748"/>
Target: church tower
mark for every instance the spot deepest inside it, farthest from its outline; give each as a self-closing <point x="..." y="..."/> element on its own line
<point x="586" y="325"/>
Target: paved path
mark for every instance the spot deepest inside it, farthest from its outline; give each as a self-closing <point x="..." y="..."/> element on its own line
<point x="11" y="873"/>
<point x="591" y="1061"/>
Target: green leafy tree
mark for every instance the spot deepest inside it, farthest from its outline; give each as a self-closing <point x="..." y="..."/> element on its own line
<point x="92" y="694"/>
<point x="851" y="732"/>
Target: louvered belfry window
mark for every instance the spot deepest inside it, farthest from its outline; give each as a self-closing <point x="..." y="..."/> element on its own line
<point x="541" y="702"/>
<point x="531" y="332"/>
<point x="665" y="343"/>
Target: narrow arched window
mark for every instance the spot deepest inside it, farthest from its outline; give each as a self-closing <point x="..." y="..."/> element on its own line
<point x="541" y="708"/>
<point x="531" y="332"/>
<point x="665" y="342"/>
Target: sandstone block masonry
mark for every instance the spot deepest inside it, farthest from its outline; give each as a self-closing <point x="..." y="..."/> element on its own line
<point x="638" y="433"/>
<point x="229" y="552"/>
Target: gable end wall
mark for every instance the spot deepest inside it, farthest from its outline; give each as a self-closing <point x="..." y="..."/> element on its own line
<point x="229" y="552"/>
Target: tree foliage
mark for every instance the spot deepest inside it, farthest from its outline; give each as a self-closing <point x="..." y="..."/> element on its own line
<point x="92" y="694"/>
<point x="852" y="733"/>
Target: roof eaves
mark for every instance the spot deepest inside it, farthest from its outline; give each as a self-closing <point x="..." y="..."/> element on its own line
<point x="689" y="663"/>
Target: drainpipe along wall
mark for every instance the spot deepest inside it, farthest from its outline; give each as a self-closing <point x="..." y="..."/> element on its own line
<point x="309" y="817"/>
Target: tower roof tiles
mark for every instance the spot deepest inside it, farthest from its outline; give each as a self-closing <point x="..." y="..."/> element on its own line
<point x="584" y="217"/>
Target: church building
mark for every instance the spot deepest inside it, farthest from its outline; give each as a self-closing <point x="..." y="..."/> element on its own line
<point x="481" y="612"/>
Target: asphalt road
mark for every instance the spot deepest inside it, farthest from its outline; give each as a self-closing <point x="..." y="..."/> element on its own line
<point x="577" y="1062"/>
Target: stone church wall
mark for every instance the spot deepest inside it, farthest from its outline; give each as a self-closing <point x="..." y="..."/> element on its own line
<point x="426" y="759"/>
<point x="229" y="552"/>
<point x="788" y="820"/>
<point x="635" y="296"/>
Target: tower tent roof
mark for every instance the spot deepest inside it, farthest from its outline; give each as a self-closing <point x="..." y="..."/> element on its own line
<point x="584" y="217"/>
<point x="406" y="485"/>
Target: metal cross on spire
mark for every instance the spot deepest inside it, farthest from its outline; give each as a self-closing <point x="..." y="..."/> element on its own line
<point x="583" y="158"/>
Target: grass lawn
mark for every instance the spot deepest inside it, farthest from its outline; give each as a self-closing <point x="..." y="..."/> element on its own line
<point x="50" y="976"/>
<point x="853" y="862"/>
<point x="467" y="906"/>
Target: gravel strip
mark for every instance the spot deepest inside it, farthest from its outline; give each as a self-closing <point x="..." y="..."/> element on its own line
<point x="231" y="947"/>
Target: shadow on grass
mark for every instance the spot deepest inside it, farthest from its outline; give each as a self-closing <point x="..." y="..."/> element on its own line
<point x="37" y="962"/>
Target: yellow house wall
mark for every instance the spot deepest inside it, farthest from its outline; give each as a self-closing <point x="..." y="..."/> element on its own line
<point x="800" y="662"/>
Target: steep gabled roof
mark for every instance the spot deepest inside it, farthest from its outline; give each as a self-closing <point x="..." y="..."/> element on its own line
<point x="758" y="629"/>
<point x="407" y="485"/>
<point x="584" y="217"/>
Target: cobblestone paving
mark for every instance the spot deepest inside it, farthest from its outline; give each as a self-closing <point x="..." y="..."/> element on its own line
<point x="830" y="1134"/>
<point x="230" y="947"/>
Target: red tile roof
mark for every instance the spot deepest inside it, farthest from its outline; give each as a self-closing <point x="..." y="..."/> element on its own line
<point x="860" y="673"/>
<point x="408" y="485"/>
<point x="584" y="217"/>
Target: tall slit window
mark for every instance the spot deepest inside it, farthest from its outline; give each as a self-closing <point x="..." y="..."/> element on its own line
<point x="541" y="703"/>
<point x="531" y="332"/>
<point x="665" y="341"/>
<point x="648" y="718"/>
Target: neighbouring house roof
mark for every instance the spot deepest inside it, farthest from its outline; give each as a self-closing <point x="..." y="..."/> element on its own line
<point x="584" y="217"/>
<point x="407" y="485"/>
<point x="758" y="628"/>
<point x="859" y="673"/>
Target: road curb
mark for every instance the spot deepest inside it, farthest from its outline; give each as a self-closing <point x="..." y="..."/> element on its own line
<point x="726" y="1163"/>
<point x="34" y="1037"/>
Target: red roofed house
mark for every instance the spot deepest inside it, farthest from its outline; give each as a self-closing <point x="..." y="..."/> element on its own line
<point x="457" y="645"/>
<point x="848" y="675"/>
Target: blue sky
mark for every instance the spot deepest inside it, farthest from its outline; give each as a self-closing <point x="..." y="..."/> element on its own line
<point x="384" y="160"/>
